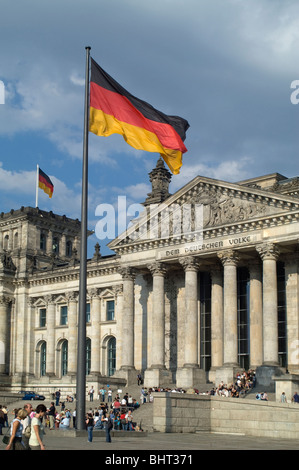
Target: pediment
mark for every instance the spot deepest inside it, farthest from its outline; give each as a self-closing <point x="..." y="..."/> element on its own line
<point x="205" y="204"/>
<point x="39" y="303"/>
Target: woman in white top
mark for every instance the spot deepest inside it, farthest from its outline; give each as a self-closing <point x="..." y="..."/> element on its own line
<point x="15" y="442"/>
<point x="37" y="429"/>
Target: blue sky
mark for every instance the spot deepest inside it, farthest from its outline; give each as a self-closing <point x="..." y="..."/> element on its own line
<point x="224" y="65"/>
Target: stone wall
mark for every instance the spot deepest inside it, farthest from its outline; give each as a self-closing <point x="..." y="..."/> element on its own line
<point x="183" y="413"/>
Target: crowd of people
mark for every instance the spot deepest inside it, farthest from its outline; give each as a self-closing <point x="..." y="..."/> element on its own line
<point x="244" y="382"/>
<point x="27" y="426"/>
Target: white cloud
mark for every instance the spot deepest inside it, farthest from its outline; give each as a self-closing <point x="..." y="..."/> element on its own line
<point x="76" y="80"/>
<point x="233" y="170"/>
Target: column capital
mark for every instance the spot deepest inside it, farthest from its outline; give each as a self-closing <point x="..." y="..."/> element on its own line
<point x="228" y="257"/>
<point x="268" y="251"/>
<point x="93" y="292"/>
<point x="127" y="273"/>
<point x="158" y="269"/>
<point x="190" y="263"/>
<point x="49" y="299"/>
<point x="117" y="289"/>
<point x="71" y="296"/>
<point x="4" y="300"/>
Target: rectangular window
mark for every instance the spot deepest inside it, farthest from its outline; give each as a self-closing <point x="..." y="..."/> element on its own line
<point x="87" y="313"/>
<point x="205" y="321"/>
<point x="282" y="315"/>
<point x="63" y="315"/>
<point x="110" y="310"/>
<point x="243" y="318"/>
<point x="42" y="317"/>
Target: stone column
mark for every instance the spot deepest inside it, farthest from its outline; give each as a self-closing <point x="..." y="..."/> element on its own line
<point x="158" y="271"/>
<point x="95" y="333"/>
<point x="217" y="317"/>
<point x="50" y="365"/>
<point x="226" y="373"/>
<point x="49" y="243"/>
<point x="4" y="333"/>
<point x="72" y="332"/>
<point x="62" y="246"/>
<point x="157" y="373"/>
<point x="269" y="254"/>
<point x="229" y="259"/>
<point x="190" y="375"/>
<point x="191" y="324"/>
<point x="256" y="315"/>
<point x="292" y="306"/>
<point x="30" y="346"/>
<point x="127" y="353"/>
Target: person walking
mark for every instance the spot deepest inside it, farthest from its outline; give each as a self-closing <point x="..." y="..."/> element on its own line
<point x="37" y="429"/>
<point x="108" y="424"/>
<point x="89" y="425"/>
<point x="15" y="441"/>
<point x="52" y="414"/>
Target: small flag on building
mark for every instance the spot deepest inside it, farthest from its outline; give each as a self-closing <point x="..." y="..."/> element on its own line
<point x="113" y="110"/>
<point x="45" y="183"/>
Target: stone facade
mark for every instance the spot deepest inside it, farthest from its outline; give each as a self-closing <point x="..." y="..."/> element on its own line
<point x="204" y="283"/>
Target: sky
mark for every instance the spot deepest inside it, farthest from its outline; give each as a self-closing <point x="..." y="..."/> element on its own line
<point x="227" y="66"/>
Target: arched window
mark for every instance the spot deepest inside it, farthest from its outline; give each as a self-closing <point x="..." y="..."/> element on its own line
<point x="64" y="357"/>
<point x="111" y="356"/>
<point x="43" y="358"/>
<point x="88" y="355"/>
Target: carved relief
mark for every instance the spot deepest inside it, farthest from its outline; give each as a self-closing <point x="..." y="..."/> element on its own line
<point x="222" y="208"/>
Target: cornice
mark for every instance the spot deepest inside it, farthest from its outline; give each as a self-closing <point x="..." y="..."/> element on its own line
<point x="68" y="276"/>
<point x="255" y="224"/>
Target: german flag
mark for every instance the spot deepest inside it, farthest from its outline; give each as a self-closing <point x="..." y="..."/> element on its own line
<point x="45" y="183"/>
<point x="113" y="110"/>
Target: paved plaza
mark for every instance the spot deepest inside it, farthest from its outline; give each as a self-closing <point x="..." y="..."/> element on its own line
<point x="159" y="442"/>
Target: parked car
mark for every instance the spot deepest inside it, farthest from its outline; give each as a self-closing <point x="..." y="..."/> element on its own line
<point x="33" y="396"/>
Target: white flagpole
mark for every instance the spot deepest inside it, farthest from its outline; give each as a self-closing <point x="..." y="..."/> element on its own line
<point x="36" y="189"/>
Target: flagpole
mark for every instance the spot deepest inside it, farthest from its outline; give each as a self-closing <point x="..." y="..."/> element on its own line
<point x="81" y="352"/>
<point x="36" y="186"/>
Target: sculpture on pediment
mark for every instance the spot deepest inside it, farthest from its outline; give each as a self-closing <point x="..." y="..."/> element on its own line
<point x="222" y="208"/>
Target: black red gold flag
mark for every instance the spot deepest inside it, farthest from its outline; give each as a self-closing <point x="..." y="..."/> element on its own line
<point x="113" y="110"/>
<point x="45" y="183"/>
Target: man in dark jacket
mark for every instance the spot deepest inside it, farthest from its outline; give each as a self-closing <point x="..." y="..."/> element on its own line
<point x="2" y="419"/>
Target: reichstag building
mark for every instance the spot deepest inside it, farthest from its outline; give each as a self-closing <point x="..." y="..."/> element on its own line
<point x="182" y="299"/>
